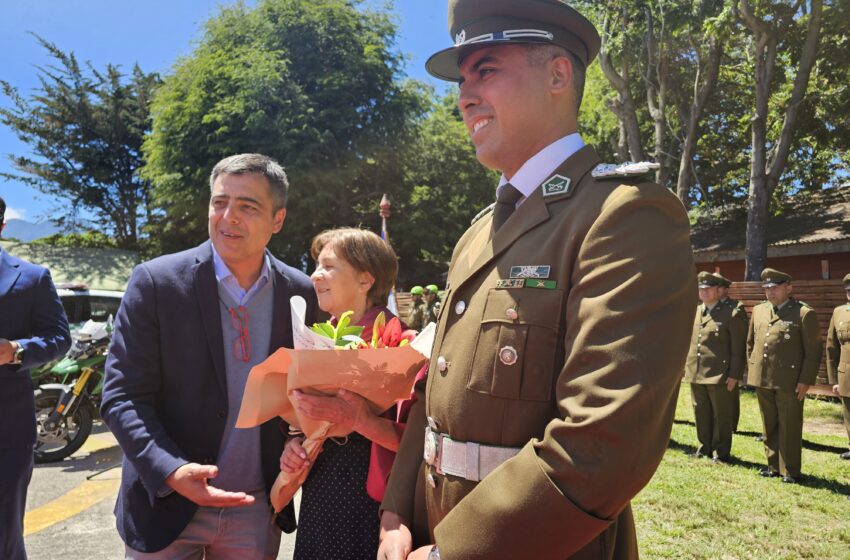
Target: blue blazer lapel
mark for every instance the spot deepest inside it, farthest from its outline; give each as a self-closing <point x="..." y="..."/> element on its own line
<point x="282" y="318"/>
<point x="206" y="290"/>
<point x="9" y="273"/>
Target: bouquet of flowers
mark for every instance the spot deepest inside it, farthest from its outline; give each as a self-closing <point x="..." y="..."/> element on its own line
<point x="326" y="358"/>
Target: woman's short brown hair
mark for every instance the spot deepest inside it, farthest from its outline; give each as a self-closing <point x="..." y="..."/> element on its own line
<point x="366" y="252"/>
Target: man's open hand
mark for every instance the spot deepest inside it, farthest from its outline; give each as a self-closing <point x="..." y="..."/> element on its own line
<point x="191" y="482"/>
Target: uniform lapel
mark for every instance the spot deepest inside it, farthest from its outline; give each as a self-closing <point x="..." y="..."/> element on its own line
<point x="206" y="290"/>
<point x="707" y="316"/>
<point x="531" y="213"/>
<point x="9" y="273"/>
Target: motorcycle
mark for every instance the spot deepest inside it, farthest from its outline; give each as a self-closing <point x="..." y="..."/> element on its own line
<point x="66" y="408"/>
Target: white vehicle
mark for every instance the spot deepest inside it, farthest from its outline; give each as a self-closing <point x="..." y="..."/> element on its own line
<point x="82" y="304"/>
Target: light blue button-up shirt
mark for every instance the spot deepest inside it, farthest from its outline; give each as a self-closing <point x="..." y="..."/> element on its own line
<point x="228" y="281"/>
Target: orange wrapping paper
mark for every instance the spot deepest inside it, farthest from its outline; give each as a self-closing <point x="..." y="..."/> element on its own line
<point x="381" y="376"/>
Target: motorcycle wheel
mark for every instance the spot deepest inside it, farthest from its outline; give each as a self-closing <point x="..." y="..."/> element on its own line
<point x="68" y="436"/>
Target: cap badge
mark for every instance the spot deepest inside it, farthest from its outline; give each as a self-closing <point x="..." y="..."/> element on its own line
<point x="460" y="37"/>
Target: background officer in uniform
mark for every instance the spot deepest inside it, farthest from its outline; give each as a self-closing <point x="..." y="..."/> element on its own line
<point x="784" y="348"/>
<point x="838" y="357"/>
<point x="432" y="299"/>
<point x="714" y="366"/>
<point x="33" y="331"/>
<point x="564" y="327"/>
<point x="419" y="310"/>
<point x="725" y="284"/>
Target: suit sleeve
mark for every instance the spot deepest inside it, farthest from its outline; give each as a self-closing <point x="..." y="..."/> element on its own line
<point x="629" y="314"/>
<point x="738" y="342"/>
<point x="133" y="378"/>
<point x="833" y="352"/>
<point x="48" y="325"/>
<point x="812" y="348"/>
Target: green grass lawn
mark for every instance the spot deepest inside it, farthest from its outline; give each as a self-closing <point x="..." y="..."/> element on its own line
<point x="694" y="508"/>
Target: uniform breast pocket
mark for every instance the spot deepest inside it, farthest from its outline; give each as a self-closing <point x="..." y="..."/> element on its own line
<point x="517" y="341"/>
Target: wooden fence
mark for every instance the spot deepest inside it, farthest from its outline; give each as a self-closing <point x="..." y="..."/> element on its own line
<point x="823" y="295"/>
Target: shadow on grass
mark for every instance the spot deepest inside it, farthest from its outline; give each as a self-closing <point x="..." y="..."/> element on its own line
<point x="810" y="445"/>
<point x="807" y="480"/>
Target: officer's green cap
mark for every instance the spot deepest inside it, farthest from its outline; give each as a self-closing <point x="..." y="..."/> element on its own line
<point x="707" y="280"/>
<point x="725" y="282"/>
<point x="771" y="277"/>
<point x="477" y="23"/>
<point x="417" y="291"/>
<point x="847" y="282"/>
<point x="432" y="288"/>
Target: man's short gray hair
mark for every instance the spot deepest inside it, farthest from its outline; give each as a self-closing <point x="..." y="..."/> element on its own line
<point x="541" y="53"/>
<point x="240" y="164"/>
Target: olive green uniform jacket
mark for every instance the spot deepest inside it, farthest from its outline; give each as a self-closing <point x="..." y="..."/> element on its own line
<point x="838" y="349"/>
<point x="784" y="348"/>
<point x="591" y="397"/>
<point x="718" y="342"/>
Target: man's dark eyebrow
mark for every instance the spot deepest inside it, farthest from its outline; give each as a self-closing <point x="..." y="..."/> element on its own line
<point x="240" y="198"/>
<point x="483" y="60"/>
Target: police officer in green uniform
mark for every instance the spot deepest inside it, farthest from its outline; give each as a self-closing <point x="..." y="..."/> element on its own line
<point x="714" y="366"/>
<point x="784" y="348"/>
<point x="418" y="317"/>
<point x="432" y="299"/>
<point x="725" y="284"/>
<point x="564" y="328"/>
<point x="838" y="357"/>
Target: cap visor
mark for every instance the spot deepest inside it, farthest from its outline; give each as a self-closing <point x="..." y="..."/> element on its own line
<point x="769" y="284"/>
<point x="704" y="285"/>
<point x="443" y="64"/>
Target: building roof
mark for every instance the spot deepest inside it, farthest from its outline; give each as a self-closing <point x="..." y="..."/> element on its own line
<point x="810" y="222"/>
<point x="104" y="269"/>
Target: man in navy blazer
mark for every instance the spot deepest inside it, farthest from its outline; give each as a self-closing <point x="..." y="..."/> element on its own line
<point x="189" y="328"/>
<point x="33" y="331"/>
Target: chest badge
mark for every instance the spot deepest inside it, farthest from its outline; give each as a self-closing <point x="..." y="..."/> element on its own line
<point x="539" y="271"/>
<point x="507" y="283"/>
<point x="557" y="185"/>
<point x="508" y="355"/>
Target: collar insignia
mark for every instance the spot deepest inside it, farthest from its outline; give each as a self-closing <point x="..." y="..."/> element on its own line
<point x="557" y="185"/>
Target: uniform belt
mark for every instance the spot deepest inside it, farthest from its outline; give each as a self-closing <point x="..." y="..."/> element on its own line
<point x="466" y="459"/>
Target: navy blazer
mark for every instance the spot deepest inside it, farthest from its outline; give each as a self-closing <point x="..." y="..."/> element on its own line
<point x="165" y="395"/>
<point x="32" y="315"/>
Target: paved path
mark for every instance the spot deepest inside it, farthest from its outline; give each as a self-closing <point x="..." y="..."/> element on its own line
<point x="69" y="505"/>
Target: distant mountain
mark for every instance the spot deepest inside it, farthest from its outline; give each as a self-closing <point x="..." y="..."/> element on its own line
<point x="28" y="231"/>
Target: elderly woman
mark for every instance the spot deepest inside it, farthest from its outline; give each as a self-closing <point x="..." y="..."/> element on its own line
<point x="355" y="270"/>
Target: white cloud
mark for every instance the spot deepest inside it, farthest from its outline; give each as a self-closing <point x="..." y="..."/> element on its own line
<point x="15" y="214"/>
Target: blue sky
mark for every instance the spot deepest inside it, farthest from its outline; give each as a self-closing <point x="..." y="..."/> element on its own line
<point x="153" y="33"/>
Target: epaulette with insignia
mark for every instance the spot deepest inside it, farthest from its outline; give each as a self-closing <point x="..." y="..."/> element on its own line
<point x="481" y="214"/>
<point x="620" y="170"/>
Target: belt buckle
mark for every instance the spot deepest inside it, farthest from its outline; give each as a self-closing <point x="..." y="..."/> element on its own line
<point x="431" y="446"/>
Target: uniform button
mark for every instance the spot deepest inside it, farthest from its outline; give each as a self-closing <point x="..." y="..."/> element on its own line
<point x="460" y="307"/>
<point x="765" y="355"/>
<point x="432" y="482"/>
<point x="697" y="354"/>
<point x="508" y="355"/>
<point x="442" y="364"/>
<point x="765" y="344"/>
<point x="511" y="313"/>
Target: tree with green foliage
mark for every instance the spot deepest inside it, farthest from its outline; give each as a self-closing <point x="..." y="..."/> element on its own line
<point x="797" y="26"/>
<point x="315" y="84"/>
<point x="85" y="128"/>
<point x="444" y="187"/>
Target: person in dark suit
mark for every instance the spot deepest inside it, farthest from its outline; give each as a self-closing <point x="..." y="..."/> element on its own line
<point x="33" y="331"/>
<point x="190" y="328"/>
